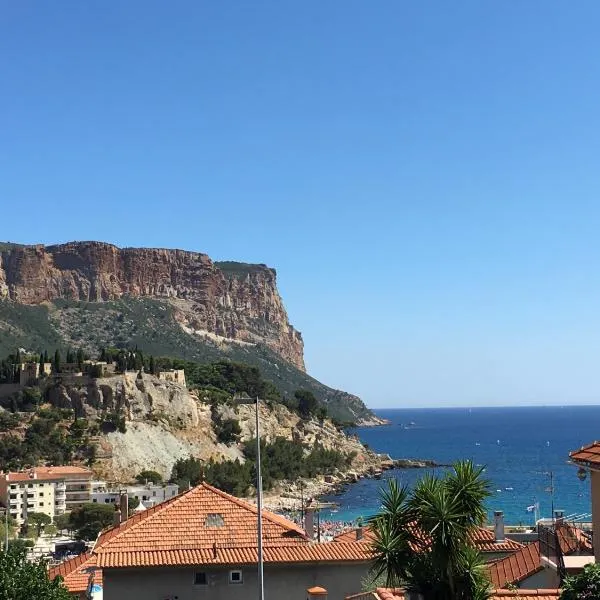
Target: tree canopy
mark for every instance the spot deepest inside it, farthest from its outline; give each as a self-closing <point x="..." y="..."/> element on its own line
<point x="583" y="585"/>
<point x="21" y="579"/>
<point x="149" y="476"/>
<point x="90" y="519"/>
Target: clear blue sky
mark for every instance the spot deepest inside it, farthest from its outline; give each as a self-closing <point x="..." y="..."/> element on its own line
<point x="424" y="176"/>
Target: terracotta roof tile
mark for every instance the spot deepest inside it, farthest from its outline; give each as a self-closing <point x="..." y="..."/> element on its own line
<point x="588" y="455"/>
<point x="73" y="572"/>
<point x="516" y="566"/>
<point x="482" y="538"/>
<point x="207" y="526"/>
<point x="47" y="473"/>
<point x="572" y="539"/>
<point x="498" y="594"/>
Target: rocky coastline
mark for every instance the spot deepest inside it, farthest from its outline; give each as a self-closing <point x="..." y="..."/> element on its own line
<point x="289" y="496"/>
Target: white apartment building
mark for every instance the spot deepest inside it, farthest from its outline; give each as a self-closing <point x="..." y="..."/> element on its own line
<point x="148" y="494"/>
<point x="49" y="490"/>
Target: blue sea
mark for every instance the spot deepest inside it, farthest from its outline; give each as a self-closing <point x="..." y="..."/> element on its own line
<point x="519" y="448"/>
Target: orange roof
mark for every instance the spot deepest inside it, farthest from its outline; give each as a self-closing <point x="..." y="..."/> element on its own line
<point x="527" y="561"/>
<point x="207" y="526"/>
<point x="73" y="572"/>
<point x="47" y="473"/>
<point x="573" y="539"/>
<point x="498" y="594"/>
<point x="588" y="455"/>
<point x="516" y="566"/>
<point x="482" y="538"/>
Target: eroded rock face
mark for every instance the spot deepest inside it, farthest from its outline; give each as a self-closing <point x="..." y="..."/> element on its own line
<point x="230" y="300"/>
<point x="166" y="422"/>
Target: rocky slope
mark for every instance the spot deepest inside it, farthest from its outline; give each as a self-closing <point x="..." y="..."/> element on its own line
<point x="233" y="301"/>
<point x="164" y="422"/>
<point x="166" y="302"/>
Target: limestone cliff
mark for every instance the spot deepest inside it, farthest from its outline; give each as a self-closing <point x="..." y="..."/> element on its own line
<point x="226" y="301"/>
<point x="165" y="422"/>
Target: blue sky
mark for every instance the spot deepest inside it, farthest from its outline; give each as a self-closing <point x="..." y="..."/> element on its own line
<point x="424" y="176"/>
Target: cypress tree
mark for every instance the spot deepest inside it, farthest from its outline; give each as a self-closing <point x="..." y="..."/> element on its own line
<point x="80" y="359"/>
<point x="56" y="363"/>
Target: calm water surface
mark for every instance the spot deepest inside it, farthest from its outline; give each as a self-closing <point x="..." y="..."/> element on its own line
<point x="519" y="447"/>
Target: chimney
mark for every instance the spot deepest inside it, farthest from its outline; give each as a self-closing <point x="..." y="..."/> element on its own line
<point x="117" y="516"/>
<point x="359" y="533"/>
<point x="123" y="501"/>
<point x="559" y="516"/>
<point x="316" y="593"/>
<point x="499" y="526"/>
<point x="309" y="523"/>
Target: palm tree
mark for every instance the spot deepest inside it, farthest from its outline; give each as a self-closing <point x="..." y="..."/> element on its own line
<point x="422" y="538"/>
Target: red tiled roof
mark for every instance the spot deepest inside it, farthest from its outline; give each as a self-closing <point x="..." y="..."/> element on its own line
<point x="207" y="526"/>
<point x="482" y="538"/>
<point x="310" y="552"/>
<point x="516" y="566"/>
<point x="572" y="539"/>
<point x="498" y="594"/>
<point x="47" y="473"/>
<point x="588" y="455"/>
<point x="73" y="572"/>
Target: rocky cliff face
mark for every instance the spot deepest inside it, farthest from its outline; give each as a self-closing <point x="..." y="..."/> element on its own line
<point x="230" y="301"/>
<point x="165" y="422"/>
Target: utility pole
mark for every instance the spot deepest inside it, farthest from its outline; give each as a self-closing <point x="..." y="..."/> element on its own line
<point x="6" y="528"/>
<point x="259" y="525"/>
<point x="261" y="582"/>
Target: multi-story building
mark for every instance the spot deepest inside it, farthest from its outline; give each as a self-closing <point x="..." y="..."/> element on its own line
<point x="149" y="494"/>
<point x="49" y="490"/>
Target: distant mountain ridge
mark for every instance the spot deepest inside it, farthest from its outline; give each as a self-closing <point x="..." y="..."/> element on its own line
<point x="170" y="302"/>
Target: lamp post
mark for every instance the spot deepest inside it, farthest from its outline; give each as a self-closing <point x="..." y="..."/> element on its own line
<point x="261" y="582"/>
<point x="6" y="528"/>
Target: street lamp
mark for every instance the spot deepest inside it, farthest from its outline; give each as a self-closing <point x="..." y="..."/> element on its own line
<point x="6" y="528"/>
<point x="261" y="582"/>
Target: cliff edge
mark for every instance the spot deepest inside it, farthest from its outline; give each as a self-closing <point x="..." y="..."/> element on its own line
<point x="235" y="302"/>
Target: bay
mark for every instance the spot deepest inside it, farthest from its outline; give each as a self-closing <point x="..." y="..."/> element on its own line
<point x="518" y="446"/>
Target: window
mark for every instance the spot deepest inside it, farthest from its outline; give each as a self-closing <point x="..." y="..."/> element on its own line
<point x="214" y="520"/>
<point x="41" y="494"/>
<point x="200" y="578"/>
<point x="236" y="577"/>
<point x="13" y="486"/>
<point x="41" y="504"/>
<point x="95" y="500"/>
<point x="13" y="496"/>
<point x="30" y="485"/>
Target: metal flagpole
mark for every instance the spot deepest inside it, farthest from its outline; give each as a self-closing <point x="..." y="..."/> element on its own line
<point x="261" y="583"/>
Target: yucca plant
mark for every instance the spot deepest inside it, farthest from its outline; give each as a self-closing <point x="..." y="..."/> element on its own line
<point x="422" y="538"/>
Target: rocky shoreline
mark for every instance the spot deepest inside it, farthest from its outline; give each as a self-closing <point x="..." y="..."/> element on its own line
<point x="289" y="496"/>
